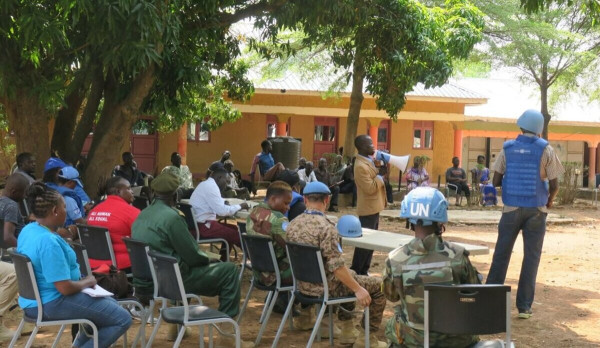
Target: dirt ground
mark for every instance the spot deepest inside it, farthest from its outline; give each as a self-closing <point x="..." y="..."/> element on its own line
<point x="566" y="307"/>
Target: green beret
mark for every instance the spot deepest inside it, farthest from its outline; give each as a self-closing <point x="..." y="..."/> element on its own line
<point x="165" y="183"/>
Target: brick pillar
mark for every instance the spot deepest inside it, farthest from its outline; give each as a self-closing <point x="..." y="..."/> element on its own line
<point x="592" y="167"/>
<point x="458" y="138"/>
<point x="182" y="143"/>
<point x="374" y="130"/>
<point x="281" y="129"/>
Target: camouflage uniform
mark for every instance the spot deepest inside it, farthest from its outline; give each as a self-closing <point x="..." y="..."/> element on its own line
<point x="407" y="268"/>
<point x="314" y="228"/>
<point x="264" y="221"/>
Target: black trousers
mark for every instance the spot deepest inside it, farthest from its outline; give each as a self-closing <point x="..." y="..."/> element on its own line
<point x="349" y="187"/>
<point x="361" y="260"/>
<point x="462" y="187"/>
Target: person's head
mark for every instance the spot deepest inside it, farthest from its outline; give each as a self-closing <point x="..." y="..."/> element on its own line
<point x="426" y="209"/>
<point x="225" y="156"/>
<point x="302" y="162"/>
<point x="309" y="167"/>
<point x="128" y="159"/>
<point x="220" y="177"/>
<point x="69" y="177"/>
<point x="417" y="162"/>
<point x="316" y="196"/>
<point x="228" y="165"/>
<point x="16" y="186"/>
<point x="279" y="196"/>
<point x="51" y="168"/>
<point x="481" y="159"/>
<point x="455" y="161"/>
<point x="364" y="145"/>
<point x="322" y="164"/>
<point x="119" y="186"/>
<point x="266" y="146"/>
<point x="47" y="205"/>
<point x="214" y="166"/>
<point x="165" y="187"/>
<point x="531" y="121"/>
<point x="26" y="162"/>
<point x="176" y="159"/>
<point x="290" y="177"/>
<point x="338" y="160"/>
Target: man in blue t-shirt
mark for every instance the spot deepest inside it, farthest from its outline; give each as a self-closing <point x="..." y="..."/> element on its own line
<point x="268" y="169"/>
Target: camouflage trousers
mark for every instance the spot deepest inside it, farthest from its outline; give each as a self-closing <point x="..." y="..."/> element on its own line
<point x="373" y="287"/>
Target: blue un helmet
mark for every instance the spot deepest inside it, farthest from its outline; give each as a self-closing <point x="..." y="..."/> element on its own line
<point x="426" y="204"/>
<point x="532" y="120"/>
<point x="349" y="226"/>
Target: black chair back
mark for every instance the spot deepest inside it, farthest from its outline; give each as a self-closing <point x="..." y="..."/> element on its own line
<point x="259" y="252"/>
<point x="242" y="227"/>
<point x="186" y="209"/>
<point x="25" y="276"/>
<point x="24" y="209"/>
<point x="140" y="202"/>
<point x="82" y="259"/>
<point x="140" y="267"/>
<point x="168" y="279"/>
<point x="97" y="242"/>
<point x="304" y="260"/>
<point x="468" y="309"/>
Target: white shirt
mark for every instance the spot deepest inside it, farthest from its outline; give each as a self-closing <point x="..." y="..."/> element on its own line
<point x="303" y="177"/>
<point x="207" y="203"/>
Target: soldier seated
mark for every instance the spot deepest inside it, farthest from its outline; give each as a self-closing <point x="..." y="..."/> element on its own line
<point x="314" y="228"/>
<point x="425" y="259"/>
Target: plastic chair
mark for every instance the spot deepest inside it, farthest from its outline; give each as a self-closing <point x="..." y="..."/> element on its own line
<point x="140" y="266"/>
<point x="168" y="285"/>
<point x="97" y="242"/>
<point x="468" y="309"/>
<point x="28" y="289"/>
<point x="85" y="269"/>
<point x="306" y="263"/>
<point x="453" y="188"/>
<point x="246" y="263"/>
<point x="261" y="252"/>
<point x="192" y="225"/>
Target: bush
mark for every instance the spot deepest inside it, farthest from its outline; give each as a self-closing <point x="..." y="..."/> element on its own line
<point x="568" y="185"/>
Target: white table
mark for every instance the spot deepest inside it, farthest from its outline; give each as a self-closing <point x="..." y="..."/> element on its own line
<point x="388" y="241"/>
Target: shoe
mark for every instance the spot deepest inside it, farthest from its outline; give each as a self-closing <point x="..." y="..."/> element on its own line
<point x="306" y="320"/>
<point x="173" y="331"/>
<point x="525" y="313"/>
<point x="373" y="341"/>
<point x="227" y="339"/>
<point x="349" y="332"/>
<point x="281" y="306"/>
<point x="27" y="329"/>
<point x="6" y="334"/>
<point x="337" y="332"/>
<point x="135" y="314"/>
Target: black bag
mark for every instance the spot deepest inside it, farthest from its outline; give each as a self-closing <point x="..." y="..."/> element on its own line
<point x="114" y="281"/>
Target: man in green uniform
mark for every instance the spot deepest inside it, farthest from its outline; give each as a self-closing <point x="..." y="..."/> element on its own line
<point x="164" y="229"/>
<point x="425" y="259"/>
<point x="314" y="228"/>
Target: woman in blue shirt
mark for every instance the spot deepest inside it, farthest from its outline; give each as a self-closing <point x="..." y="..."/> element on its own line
<point x="58" y="276"/>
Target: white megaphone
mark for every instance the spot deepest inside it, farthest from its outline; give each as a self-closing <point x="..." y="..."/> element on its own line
<point x="400" y="162"/>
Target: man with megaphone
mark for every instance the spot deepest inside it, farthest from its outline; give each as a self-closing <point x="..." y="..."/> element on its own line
<point x="369" y="168"/>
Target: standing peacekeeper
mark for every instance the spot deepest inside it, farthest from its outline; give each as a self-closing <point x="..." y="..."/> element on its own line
<point x="425" y="259"/>
<point x="164" y="229"/>
<point x="528" y="170"/>
<point x="314" y="228"/>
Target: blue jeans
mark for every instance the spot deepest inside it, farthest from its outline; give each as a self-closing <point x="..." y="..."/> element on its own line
<point x="533" y="224"/>
<point x="110" y="318"/>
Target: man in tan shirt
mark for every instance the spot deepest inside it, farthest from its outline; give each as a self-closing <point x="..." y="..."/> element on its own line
<point x="371" y="198"/>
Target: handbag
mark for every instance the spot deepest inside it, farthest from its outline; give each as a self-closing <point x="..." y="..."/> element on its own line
<point x="113" y="280"/>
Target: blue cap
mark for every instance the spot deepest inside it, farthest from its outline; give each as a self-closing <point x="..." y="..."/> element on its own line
<point x="316" y="187"/>
<point x="54" y="162"/>
<point x="70" y="173"/>
<point x="426" y="204"/>
<point x="531" y="120"/>
<point x="349" y="226"/>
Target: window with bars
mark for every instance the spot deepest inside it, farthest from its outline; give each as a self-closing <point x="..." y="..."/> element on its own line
<point x="423" y="135"/>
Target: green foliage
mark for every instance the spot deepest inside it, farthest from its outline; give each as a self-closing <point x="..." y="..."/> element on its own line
<point x="568" y="184"/>
<point x="7" y="146"/>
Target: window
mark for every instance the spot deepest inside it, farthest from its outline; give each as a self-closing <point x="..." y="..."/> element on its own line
<point x="198" y="132"/>
<point x="325" y="133"/>
<point x="423" y="135"/>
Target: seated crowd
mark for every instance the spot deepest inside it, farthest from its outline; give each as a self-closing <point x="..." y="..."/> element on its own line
<point x="293" y="211"/>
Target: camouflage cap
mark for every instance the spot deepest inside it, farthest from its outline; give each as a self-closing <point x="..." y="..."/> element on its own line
<point x="165" y="183"/>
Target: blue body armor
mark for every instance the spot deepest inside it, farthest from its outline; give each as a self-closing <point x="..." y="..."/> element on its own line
<point x="67" y="192"/>
<point x="521" y="183"/>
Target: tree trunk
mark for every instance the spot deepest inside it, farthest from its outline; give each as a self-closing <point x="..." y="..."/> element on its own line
<point x="114" y="129"/>
<point x="356" y="99"/>
<point x="67" y="118"/>
<point x="544" y="101"/>
<point x="29" y="120"/>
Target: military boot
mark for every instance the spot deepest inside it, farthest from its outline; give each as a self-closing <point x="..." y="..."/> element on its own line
<point x="349" y="332"/>
<point x="306" y="320"/>
<point x="325" y="329"/>
<point x="6" y="334"/>
<point x="373" y="341"/>
<point x="173" y="331"/>
<point x="227" y="339"/>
